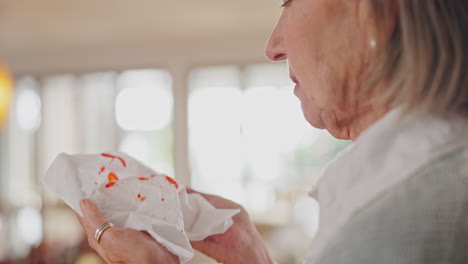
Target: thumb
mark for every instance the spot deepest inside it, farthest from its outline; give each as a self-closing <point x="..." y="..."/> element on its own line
<point x="213" y="199"/>
<point x="90" y="222"/>
<point x="217" y="201"/>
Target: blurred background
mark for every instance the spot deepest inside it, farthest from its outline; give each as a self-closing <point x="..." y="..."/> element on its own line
<point x="183" y="86"/>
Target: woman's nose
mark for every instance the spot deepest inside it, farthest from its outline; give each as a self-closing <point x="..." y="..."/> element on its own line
<point x="275" y="49"/>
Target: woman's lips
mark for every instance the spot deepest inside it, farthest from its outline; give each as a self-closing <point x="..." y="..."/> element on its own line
<point x="294" y="79"/>
<point x="296" y="88"/>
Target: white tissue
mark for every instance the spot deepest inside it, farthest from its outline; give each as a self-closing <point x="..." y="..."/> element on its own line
<point x="130" y="195"/>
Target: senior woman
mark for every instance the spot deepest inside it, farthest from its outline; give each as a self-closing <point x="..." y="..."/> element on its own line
<point x="391" y="75"/>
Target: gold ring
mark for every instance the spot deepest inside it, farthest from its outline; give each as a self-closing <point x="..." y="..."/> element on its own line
<point x="100" y="231"/>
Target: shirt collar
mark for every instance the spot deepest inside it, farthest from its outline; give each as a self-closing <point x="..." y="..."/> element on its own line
<point x="384" y="155"/>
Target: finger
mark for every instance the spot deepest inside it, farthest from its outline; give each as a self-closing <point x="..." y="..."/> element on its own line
<point x="217" y="201"/>
<point x="205" y="195"/>
<point x="92" y="242"/>
<point x="92" y="219"/>
<point x="147" y="234"/>
<point x="190" y="190"/>
<point x="88" y="237"/>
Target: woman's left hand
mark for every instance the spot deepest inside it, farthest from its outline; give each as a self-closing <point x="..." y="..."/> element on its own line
<point x="121" y="245"/>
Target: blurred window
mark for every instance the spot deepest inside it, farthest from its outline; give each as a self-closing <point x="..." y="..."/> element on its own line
<point x="24" y="120"/>
<point x="28" y="105"/>
<point x="96" y="117"/>
<point x="19" y="185"/>
<point x="60" y="127"/>
<point x="144" y="112"/>
<point x="215" y="143"/>
<point x="249" y="140"/>
<point x="105" y="112"/>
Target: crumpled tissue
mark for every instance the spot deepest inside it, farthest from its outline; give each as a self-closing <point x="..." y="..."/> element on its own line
<point x="130" y="195"/>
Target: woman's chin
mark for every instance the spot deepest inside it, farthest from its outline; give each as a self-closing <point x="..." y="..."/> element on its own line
<point x="314" y="119"/>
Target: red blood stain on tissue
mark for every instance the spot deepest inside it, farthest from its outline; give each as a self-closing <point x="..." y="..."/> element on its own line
<point x="115" y="157"/>
<point x="112" y="177"/>
<point x="162" y="193"/>
<point x="172" y="181"/>
<point x="141" y="198"/>
<point x="143" y="179"/>
<point x="110" y="184"/>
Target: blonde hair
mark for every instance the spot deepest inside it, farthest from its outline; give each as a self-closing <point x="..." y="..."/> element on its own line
<point x="424" y="64"/>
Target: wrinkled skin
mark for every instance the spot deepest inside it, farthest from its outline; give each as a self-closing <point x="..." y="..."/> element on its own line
<point x="327" y="46"/>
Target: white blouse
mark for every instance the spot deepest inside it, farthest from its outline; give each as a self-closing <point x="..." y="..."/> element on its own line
<point x="363" y="178"/>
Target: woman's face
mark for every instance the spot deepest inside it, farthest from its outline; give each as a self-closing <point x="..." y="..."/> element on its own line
<point x="326" y="51"/>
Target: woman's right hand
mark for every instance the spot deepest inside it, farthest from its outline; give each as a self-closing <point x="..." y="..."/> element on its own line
<point x="122" y="245"/>
<point x="241" y="243"/>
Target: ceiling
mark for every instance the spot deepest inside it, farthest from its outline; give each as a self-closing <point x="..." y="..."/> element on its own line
<point x="31" y="28"/>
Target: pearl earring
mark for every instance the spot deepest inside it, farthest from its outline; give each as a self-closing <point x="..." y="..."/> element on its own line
<point x="373" y="43"/>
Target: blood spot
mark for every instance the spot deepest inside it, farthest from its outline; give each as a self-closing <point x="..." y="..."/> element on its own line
<point x="172" y="181"/>
<point x="141" y="198"/>
<point x="112" y="177"/>
<point x="110" y="184"/>
<point x="115" y="157"/>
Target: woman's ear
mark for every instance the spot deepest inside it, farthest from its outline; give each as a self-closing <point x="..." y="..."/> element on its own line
<point x="377" y="20"/>
<point x="366" y="22"/>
